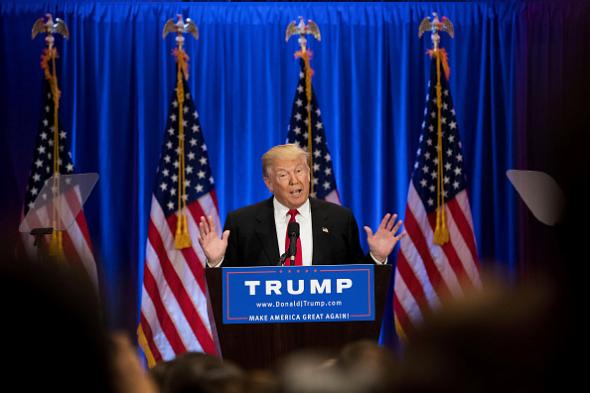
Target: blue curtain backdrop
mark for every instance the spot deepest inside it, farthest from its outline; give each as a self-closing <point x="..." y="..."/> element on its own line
<point x="116" y="75"/>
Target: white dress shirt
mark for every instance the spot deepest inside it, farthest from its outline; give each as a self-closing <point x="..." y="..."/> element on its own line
<point x="282" y="217"/>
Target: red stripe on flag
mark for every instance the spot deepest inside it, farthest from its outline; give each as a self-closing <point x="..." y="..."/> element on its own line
<point x="73" y="199"/>
<point x="166" y="323"/>
<point x="405" y="323"/>
<point x="177" y="287"/>
<point x="70" y="251"/>
<point x="452" y="257"/>
<point x="191" y="258"/>
<point x="198" y="270"/>
<point x="415" y="233"/>
<point x="412" y="283"/>
<point x="197" y="266"/>
<point x="213" y="195"/>
<point x="83" y="225"/>
<point x="149" y="337"/>
<point x="465" y="229"/>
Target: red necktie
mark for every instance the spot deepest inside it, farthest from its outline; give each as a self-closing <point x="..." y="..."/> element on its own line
<point x="293" y="213"/>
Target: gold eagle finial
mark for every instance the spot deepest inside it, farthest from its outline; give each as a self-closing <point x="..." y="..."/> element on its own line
<point x="434" y="26"/>
<point x="49" y="27"/>
<point x="181" y="27"/>
<point x="303" y="29"/>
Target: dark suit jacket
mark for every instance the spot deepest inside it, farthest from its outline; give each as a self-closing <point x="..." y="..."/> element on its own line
<point x="253" y="236"/>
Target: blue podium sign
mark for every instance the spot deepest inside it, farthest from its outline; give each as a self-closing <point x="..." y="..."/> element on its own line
<point x="270" y="294"/>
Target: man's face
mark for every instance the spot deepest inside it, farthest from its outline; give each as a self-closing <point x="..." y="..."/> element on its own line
<point x="289" y="181"/>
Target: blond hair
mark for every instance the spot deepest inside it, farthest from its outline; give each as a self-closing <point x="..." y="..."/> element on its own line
<point x="289" y="151"/>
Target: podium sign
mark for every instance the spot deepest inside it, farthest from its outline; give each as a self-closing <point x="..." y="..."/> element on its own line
<point x="258" y="295"/>
<point x="259" y="345"/>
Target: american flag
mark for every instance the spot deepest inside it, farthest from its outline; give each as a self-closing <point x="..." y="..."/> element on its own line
<point x="174" y="308"/>
<point x="324" y="183"/>
<point x="426" y="273"/>
<point x="77" y="244"/>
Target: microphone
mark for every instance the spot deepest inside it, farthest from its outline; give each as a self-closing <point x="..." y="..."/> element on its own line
<point x="283" y="258"/>
<point x="293" y="233"/>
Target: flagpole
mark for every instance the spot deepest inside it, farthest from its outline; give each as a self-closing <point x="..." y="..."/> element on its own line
<point x="441" y="232"/>
<point x="49" y="27"/>
<point x="182" y="238"/>
<point x="302" y="29"/>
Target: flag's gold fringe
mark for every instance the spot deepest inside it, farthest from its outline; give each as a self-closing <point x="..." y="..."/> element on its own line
<point x="182" y="60"/>
<point x="142" y="340"/>
<point x="182" y="238"/>
<point x="48" y="56"/>
<point x="56" y="248"/>
<point x="306" y="55"/>
<point x="400" y="331"/>
<point x="441" y="233"/>
<point x="444" y="57"/>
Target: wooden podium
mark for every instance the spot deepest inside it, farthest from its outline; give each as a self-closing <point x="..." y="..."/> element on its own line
<point x="255" y="346"/>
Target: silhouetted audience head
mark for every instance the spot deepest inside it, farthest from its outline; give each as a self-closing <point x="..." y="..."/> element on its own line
<point x="159" y="373"/>
<point x="200" y="373"/>
<point x="310" y="371"/>
<point x="130" y="376"/>
<point x="501" y="340"/>
<point x="372" y="367"/>
<point x="261" y="381"/>
<point x="53" y="333"/>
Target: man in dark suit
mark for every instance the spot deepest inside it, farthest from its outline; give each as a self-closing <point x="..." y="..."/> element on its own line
<point x="256" y="235"/>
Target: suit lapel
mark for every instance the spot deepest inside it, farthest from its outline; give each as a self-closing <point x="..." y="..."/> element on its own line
<point x="319" y="225"/>
<point x="267" y="232"/>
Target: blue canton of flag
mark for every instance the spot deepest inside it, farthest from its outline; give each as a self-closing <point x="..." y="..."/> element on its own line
<point x="324" y="183"/>
<point x="198" y="177"/>
<point x="426" y="164"/>
<point x="42" y="167"/>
